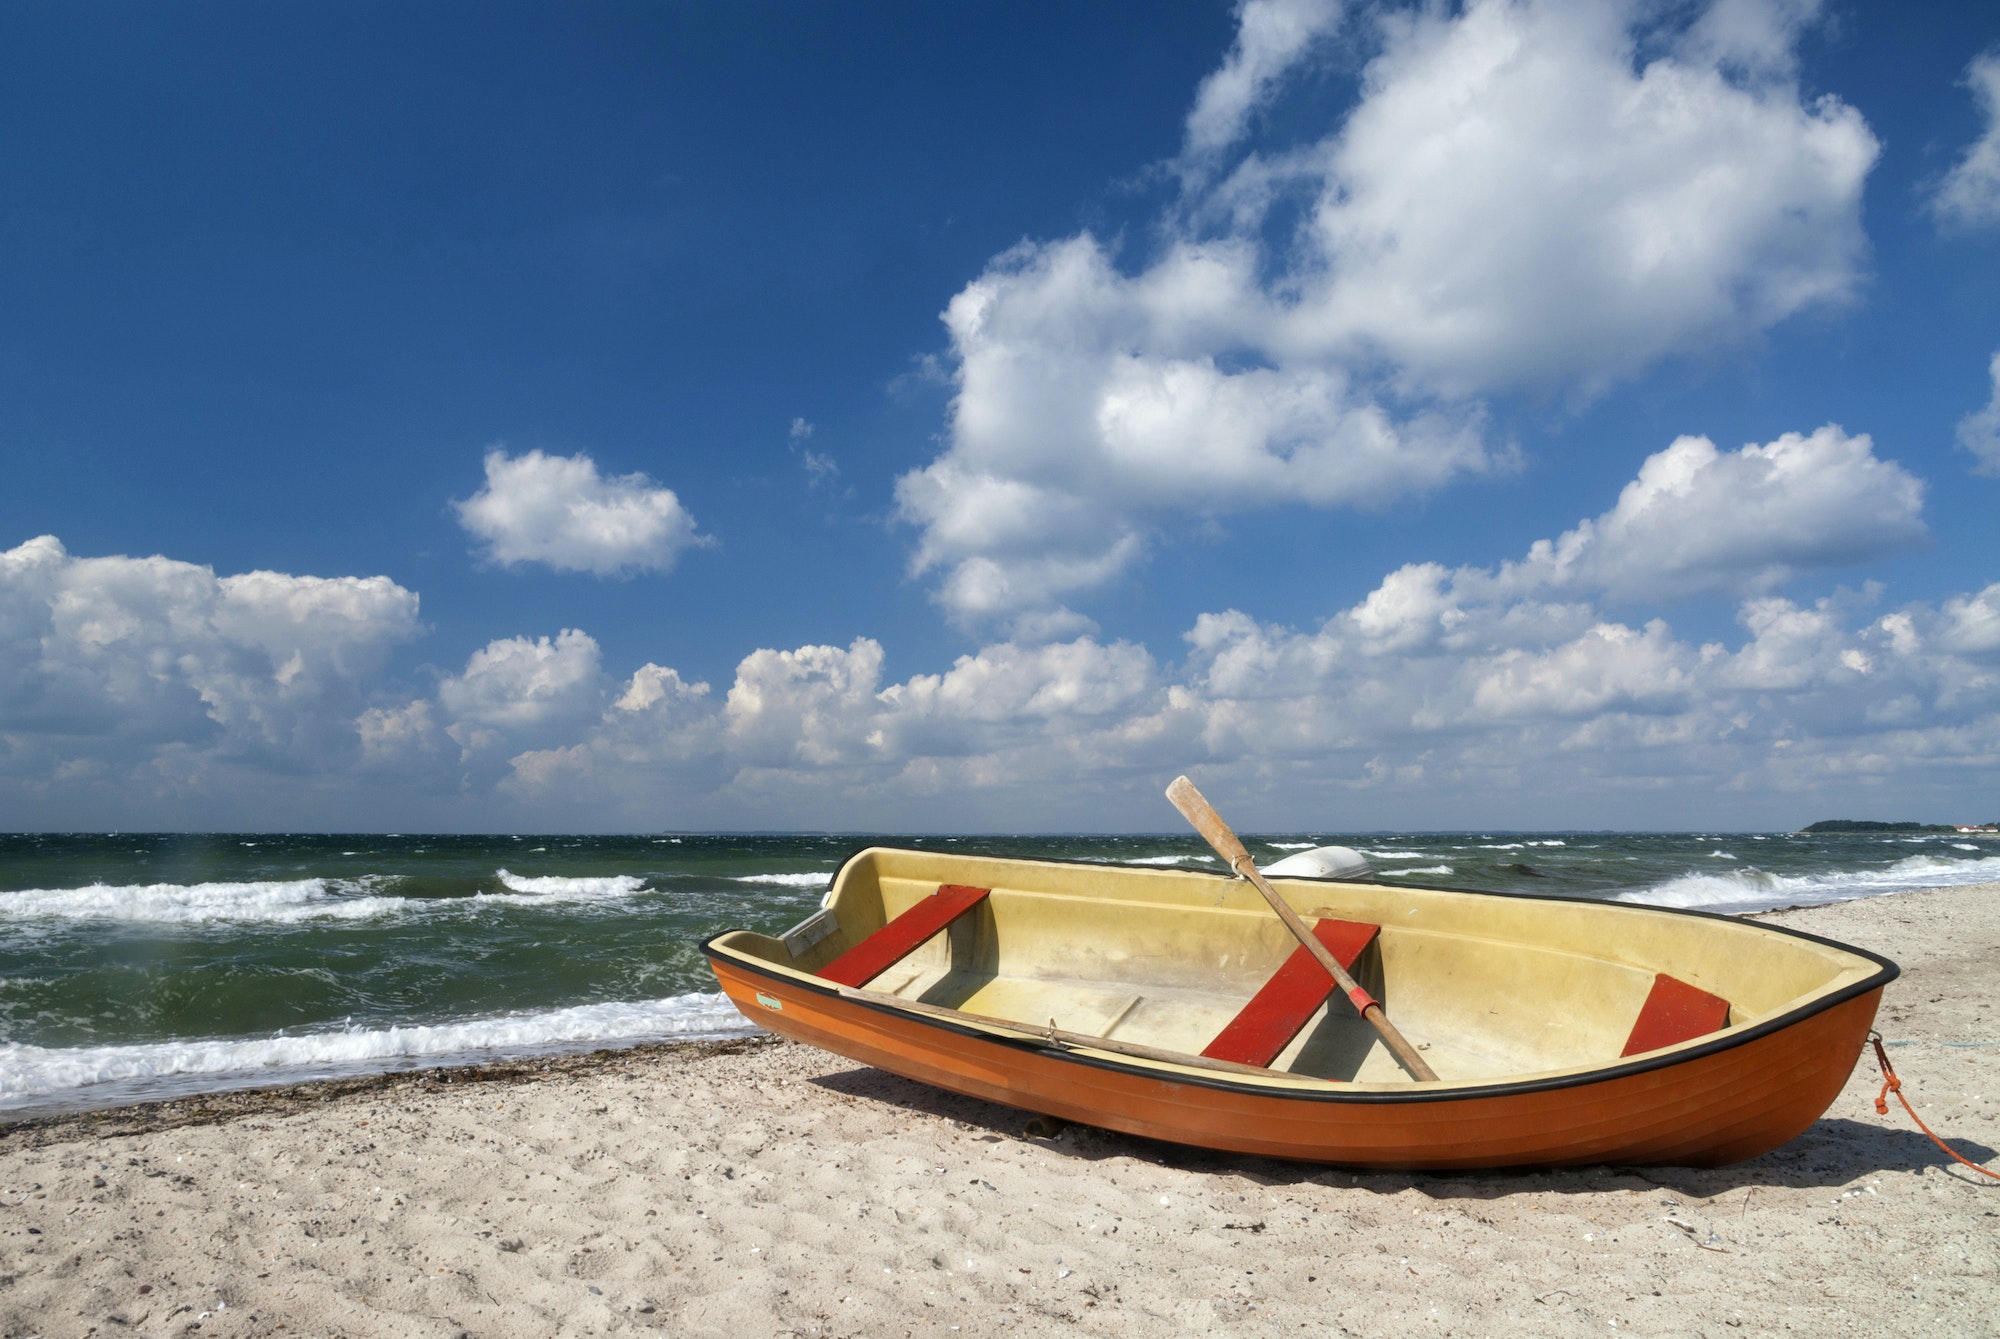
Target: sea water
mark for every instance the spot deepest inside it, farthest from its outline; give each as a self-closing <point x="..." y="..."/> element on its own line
<point x="135" y="967"/>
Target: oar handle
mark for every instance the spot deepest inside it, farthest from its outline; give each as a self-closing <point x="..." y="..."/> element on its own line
<point x="1194" y="806"/>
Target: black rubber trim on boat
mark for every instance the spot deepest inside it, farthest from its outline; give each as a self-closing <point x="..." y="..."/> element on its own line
<point x="1724" y="1041"/>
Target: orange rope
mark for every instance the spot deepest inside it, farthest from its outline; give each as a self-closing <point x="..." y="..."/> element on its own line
<point x="1892" y="1084"/>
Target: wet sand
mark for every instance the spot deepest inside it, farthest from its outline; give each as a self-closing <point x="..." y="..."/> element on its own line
<point x="763" y="1188"/>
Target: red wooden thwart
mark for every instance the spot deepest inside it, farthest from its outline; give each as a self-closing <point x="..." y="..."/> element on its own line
<point x="1675" y="1012"/>
<point x="1292" y="995"/>
<point x="899" y="938"/>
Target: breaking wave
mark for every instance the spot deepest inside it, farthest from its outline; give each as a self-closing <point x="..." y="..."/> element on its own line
<point x="269" y="901"/>
<point x="98" y="1075"/>
<point x="1752" y="889"/>
<point x="789" y="880"/>
<point x="287" y="901"/>
<point x="558" y="888"/>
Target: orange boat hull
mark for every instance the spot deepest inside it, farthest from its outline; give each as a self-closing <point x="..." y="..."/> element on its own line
<point x="1717" y="1105"/>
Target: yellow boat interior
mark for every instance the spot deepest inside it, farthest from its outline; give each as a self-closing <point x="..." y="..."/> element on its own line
<point x="1490" y="987"/>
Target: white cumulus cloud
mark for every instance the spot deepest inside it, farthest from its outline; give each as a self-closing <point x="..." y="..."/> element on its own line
<point x="116" y="663"/>
<point x="516" y="683"/>
<point x="1533" y="192"/>
<point x="1969" y="195"/>
<point x="1480" y="694"/>
<point x="515" y="694"/>
<point x="814" y="705"/>
<point x="1527" y="193"/>
<point x="1979" y="431"/>
<point x="1090" y="404"/>
<point x="1271" y="37"/>
<point x="1696" y="520"/>
<point x="1443" y="698"/>
<point x="1513" y="720"/>
<point x="1699" y="519"/>
<point x="1971" y="623"/>
<point x="558" y="510"/>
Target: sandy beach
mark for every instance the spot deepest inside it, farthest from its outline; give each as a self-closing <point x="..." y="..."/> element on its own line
<point x="764" y="1188"/>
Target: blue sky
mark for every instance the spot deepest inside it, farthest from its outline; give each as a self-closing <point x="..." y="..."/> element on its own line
<point x="494" y="417"/>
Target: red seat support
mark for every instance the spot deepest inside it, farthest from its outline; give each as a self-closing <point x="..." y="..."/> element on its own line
<point x="1293" y="994"/>
<point x="900" y="937"/>
<point x="1675" y="1012"/>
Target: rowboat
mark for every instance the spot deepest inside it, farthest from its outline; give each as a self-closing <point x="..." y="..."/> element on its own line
<point x="1172" y="1004"/>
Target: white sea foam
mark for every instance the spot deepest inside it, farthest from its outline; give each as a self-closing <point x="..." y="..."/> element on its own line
<point x="1396" y="855"/>
<point x="1167" y="859"/>
<point x="560" y="888"/>
<point x="1754" y="890"/>
<point x="284" y="901"/>
<point x="266" y="901"/>
<point x="788" y="880"/>
<point x="1291" y="846"/>
<point x="1405" y="873"/>
<point x="93" y="1075"/>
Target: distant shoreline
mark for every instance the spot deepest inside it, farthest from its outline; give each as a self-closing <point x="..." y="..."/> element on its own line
<point x="1835" y="825"/>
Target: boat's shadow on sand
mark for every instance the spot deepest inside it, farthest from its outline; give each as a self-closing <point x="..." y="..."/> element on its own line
<point x="1835" y="1152"/>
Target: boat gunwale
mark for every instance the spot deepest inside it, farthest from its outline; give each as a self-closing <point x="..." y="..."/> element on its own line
<point x="1728" y="1039"/>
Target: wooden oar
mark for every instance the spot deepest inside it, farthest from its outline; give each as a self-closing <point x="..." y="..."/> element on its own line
<point x="1060" y="1039"/>
<point x="1198" y="811"/>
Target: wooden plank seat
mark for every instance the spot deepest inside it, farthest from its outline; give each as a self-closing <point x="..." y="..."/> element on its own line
<point x="1675" y="1012"/>
<point x="1293" y="995"/>
<point x="902" y="936"/>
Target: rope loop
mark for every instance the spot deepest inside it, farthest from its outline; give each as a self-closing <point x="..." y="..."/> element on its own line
<point x="1892" y="1084"/>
